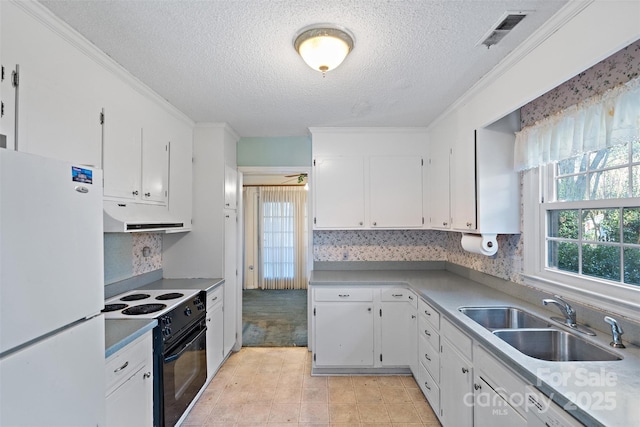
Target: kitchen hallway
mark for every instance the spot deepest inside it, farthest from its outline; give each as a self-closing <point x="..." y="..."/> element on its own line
<point x="272" y="386"/>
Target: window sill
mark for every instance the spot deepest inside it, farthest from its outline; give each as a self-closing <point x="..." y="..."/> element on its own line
<point x="625" y="302"/>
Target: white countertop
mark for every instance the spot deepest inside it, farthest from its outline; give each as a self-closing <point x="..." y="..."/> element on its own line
<point x="605" y="393"/>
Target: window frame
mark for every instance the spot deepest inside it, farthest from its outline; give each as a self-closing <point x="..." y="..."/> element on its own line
<point x="610" y="296"/>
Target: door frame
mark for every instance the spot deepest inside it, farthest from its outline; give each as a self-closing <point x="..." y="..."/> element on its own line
<point x="278" y="170"/>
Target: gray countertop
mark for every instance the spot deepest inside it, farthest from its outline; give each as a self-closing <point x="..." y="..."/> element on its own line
<point x="192" y="284"/>
<point x="603" y="393"/>
<point x="120" y="332"/>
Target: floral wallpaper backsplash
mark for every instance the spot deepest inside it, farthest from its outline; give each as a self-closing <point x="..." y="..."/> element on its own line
<point x="617" y="69"/>
<point x="417" y="245"/>
<point x="142" y="264"/>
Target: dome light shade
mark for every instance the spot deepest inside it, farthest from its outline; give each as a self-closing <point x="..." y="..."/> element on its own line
<point x="322" y="47"/>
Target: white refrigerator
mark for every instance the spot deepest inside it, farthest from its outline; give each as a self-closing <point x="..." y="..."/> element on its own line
<point x="51" y="293"/>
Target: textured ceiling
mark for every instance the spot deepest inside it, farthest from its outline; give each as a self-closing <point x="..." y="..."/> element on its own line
<point x="233" y="60"/>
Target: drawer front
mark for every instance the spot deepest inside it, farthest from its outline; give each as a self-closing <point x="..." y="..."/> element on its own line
<point x="343" y="294"/>
<point x="429" y="388"/>
<point x="120" y="366"/>
<point x="399" y="294"/>
<point x="215" y="297"/>
<point x="429" y="313"/>
<point x="428" y="332"/>
<point x="430" y="358"/>
<point x="456" y="337"/>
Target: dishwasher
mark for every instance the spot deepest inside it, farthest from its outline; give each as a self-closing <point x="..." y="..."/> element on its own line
<point x="542" y="412"/>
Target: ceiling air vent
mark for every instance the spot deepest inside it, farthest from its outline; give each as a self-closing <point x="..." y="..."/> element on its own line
<point x="506" y="23"/>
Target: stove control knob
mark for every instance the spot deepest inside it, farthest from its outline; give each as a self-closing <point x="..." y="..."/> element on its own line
<point x="166" y="332"/>
<point x="187" y="311"/>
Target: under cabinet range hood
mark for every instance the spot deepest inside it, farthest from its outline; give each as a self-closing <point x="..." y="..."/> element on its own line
<point x="122" y="217"/>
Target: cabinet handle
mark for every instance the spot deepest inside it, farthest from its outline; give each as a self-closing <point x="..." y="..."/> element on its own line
<point x="146" y="375"/>
<point x="477" y="386"/>
<point x="343" y="295"/>
<point x="427" y="333"/>
<point x="208" y="319"/>
<point x="360" y="223"/>
<point x="122" y="367"/>
<point x="375" y="223"/>
<point x="465" y="370"/>
<point x="135" y="193"/>
<point x="369" y="309"/>
<point x="469" y="224"/>
<point x="147" y="194"/>
<point x="413" y="316"/>
<point x="426" y="356"/>
<point x="445" y="224"/>
<point x="426" y="385"/>
<point x="427" y="313"/>
<point x="410" y="297"/>
<point x="213" y="299"/>
<point x="396" y="295"/>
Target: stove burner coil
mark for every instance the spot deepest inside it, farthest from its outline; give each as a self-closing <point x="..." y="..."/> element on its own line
<point x="172" y="295"/>
<point x="113" y="307"/>
<point x="134" y="297"/>
<point x="143" y="309"/>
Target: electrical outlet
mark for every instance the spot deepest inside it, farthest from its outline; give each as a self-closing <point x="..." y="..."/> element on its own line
<point x="345" y="255"/>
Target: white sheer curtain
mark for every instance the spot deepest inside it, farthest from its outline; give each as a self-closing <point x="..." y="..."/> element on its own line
<point x="283" y="240"/>
<point x="599" y="122"/>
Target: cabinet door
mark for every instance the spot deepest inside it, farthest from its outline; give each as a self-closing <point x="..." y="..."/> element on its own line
<point x="338" y="184"/>
<point x="215" y="338"/>
<point x="8" y="96"/>
<point x="398" y="326"/>
<point x="456" y="378"/>
<point x="230" y="187"/>
<point x="463" y="184"/>
<point x="344" y="334"/>
<point x="395" y="191"/>
<point x="230" y="281"/>
<point x="131" y="404"/>
<point x="155" y="167"/>
<point x="438" y="172"/>
<point x="491" y="410"/>
<point x="122" y="155"/>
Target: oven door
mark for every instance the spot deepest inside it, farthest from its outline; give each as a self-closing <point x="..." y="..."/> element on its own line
<point x="184" y="372"/>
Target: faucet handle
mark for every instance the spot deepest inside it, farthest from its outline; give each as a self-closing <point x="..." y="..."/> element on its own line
<point x="567" y="306"/>
<point x="616" y="331"/>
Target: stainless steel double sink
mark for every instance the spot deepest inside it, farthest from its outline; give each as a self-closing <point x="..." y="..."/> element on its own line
<point x="534" y="336"/>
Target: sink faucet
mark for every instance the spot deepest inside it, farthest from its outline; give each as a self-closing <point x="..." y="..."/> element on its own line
<point x="617" y="332"/>
<point x="565" y="308"/>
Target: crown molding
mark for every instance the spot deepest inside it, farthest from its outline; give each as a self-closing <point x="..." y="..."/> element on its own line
<point x="79" y="42"/>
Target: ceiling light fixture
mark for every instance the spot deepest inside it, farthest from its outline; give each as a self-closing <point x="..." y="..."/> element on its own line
<point x="323" y="47"/>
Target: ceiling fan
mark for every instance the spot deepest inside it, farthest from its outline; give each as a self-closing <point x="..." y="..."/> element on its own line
<point x="301" y="177"/>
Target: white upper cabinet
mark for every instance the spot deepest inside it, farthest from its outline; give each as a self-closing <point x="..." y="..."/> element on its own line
<point x="155" y="167"/>
<point x="136" y="159"/>
<point x="122" y="155"/>
<point x="484" y="184"/>
<point x="395" y="191"/>
<point x="368" y="178"/>
<point x="339" y="192"/>
<point x="438" y="191"/>
<point x="230" y="187"/>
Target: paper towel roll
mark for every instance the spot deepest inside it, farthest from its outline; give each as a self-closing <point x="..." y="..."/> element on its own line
<point x="483" y="244"/>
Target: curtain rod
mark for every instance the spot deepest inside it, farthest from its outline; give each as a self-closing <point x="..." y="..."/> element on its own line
<point x="273" y="185"/>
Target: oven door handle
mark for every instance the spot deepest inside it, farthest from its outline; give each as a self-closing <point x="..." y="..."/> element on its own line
<point x="174" y="356"/>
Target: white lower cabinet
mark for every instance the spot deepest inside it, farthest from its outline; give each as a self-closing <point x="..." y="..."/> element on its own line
<point x="456" y="377"/>
<point x="343" y="327"/>
<point x="215" y="330"/>
<point x="129" y="378"/>
<point x="499" y="394"/>
<point x="398" y="323"/>
<point x="364" y="328"/>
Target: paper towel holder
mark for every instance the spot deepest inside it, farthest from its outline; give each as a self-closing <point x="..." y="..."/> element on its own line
<point x="481" y="244"/>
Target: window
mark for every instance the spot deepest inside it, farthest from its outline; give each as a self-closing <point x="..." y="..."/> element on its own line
<point x="278" y="238"/>
<point x="588" y="220"/>
<point x="598" y="236"/>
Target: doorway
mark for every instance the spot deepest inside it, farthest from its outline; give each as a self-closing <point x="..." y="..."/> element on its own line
<point x="276" y="251"/>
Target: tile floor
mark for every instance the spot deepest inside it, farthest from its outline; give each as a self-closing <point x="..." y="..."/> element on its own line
<point x="272" y="386"/>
